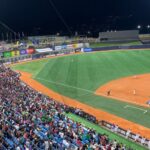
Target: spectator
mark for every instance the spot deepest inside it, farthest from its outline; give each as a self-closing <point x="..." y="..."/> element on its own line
<point x="136" y="138"/>
<point x="148" y="143"/>
<point x="128" y="133"/>
<point x="143" y="141"/>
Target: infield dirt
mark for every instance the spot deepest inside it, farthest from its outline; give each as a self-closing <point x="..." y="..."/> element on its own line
<point x="133" y="89"/>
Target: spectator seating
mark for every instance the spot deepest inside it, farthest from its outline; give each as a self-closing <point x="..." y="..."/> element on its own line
<point x="33" y="121"/>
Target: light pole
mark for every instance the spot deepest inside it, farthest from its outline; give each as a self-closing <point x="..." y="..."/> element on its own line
<point x="139" y="26"/>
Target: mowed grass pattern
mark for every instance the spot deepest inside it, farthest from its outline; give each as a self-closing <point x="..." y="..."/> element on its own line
<point x="78" y="76"/>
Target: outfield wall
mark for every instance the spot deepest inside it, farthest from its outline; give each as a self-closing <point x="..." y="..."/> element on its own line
<point x="33" y="50"/>
<point x="28" y="57"/>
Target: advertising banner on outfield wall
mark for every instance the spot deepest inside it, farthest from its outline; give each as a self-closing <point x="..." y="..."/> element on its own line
<point x="15" y="53"/>
<point x="57" y="48"/>
<point x="87" y="49"/>
<point x="30" y="51"/>
<point x="6" y="54"/>
<point x="70" y="46"/>
<point x="44" y="50"/>
<point x="23" y="52"/>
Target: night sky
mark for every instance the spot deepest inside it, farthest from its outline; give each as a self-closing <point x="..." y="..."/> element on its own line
<point x="39" y="17"/>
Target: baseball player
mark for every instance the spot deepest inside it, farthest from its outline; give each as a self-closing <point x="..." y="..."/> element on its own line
<point x="108" y="92"/>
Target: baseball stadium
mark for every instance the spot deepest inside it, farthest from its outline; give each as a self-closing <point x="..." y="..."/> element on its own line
<point x="84" y="87"/>
<point x="104" y="86"/>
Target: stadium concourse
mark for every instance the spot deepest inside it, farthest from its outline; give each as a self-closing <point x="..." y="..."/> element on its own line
<point x="31" y="120"/>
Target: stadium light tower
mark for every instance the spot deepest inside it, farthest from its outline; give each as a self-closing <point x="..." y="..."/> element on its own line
<point x="139" y="26"/>
<point x="148" y="26"/>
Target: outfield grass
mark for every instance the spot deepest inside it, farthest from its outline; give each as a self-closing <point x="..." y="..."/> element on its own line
<point x="112" y="136"/>
<point x="102" y="44"/>
<point x="78" y="76"/>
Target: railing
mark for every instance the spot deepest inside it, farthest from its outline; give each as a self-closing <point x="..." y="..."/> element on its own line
<point x="123" y="132"/>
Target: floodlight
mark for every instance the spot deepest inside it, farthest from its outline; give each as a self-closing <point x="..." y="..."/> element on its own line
<point x="139" y="26"/>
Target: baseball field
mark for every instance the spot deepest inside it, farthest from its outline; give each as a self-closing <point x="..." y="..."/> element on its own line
<point x="83" y="80"/>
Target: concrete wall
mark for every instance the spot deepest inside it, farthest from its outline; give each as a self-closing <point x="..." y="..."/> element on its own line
<point x="128" y="35"/>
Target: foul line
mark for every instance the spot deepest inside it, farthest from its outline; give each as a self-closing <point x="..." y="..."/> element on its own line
<point x="38" y="72"/>
<point x="121" y="99"/>
<point x="65" y="85"/>
<point x="128" y="106"/>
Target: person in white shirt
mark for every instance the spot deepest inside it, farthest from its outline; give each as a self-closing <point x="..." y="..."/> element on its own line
<point x="116" y="128"/>
<point x="136" y="137"/>
<point x="128" y="133"/>
<point x="148" y="143"/>
<point x="46" y="145"/>
<point x="18" y="148"/>
<point x="143" y="141"/>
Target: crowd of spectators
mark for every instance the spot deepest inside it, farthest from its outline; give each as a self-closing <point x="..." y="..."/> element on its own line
<point x="30" y="120"/>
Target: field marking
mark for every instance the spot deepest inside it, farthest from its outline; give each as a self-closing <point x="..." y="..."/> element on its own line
<point x="122" y="99"/>
<point x="38" y="72"/>
<point x="85" y="94"/>
<point x="66" y="85"/>
<point x="128" y="106"/>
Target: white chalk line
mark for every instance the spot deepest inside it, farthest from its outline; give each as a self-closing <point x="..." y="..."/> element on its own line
<point x="120" y="99"/>
<point x="85" y="94"/>
<point x="62" y="84"/>
<point x="89" y="91"/>
<point x="41" y="69"/>
<point x="144" y="110"/>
